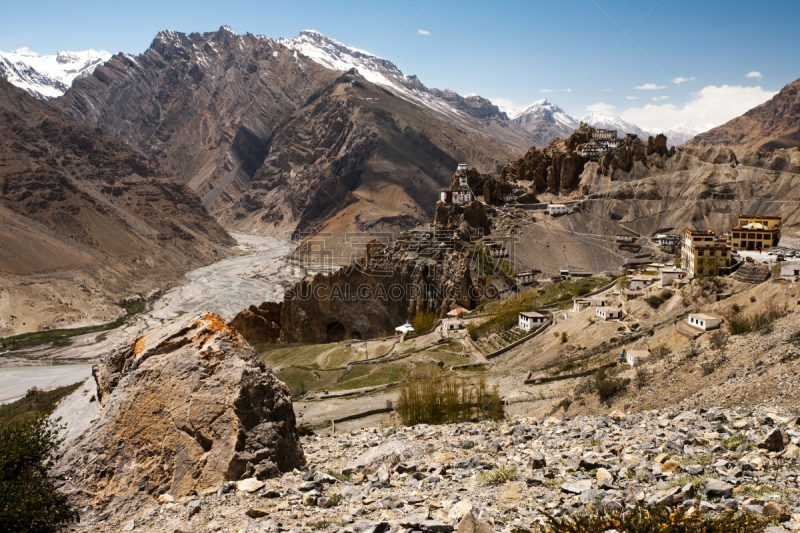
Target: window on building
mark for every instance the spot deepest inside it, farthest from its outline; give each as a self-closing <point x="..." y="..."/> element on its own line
<point x="735" y="235"/>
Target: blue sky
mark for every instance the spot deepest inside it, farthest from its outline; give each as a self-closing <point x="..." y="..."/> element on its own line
<point x="590" y="54"/>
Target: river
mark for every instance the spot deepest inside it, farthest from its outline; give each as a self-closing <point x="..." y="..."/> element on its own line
<point x="258" y="273"/>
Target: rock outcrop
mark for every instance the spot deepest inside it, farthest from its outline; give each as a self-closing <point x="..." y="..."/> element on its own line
<point x="259" y="325"/>
<point x="555" y="168"/>
<point x="186" y="407"/>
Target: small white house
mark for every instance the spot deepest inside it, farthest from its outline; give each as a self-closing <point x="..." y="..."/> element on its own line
<point x="599" y="301"/>
<point x="462" y="167"/>
<point x="666" y="240"/>
<point x="703" y="321"/>
<point x="637" y="357"/>
<point x="669" y="277"/>
<point x="526" y="277"/>
<point x="531" y="320"/>
<point x="557" y="209"/>
<point x="608" y="313"/>
<point x="451" y="324"/>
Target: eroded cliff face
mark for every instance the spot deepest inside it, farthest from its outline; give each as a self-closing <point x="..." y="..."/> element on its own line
<point x="371" y="298"/>
<point x="185" y="407"/>
<point x="428" y="271"/>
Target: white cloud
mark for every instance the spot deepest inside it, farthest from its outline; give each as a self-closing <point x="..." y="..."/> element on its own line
<point x="681" y="79"/>
<point x="711" y="107"/>
<point x="545" y="90"/>
<point x="662" y="97"/>
<point x="631" y="97"/>
<point x="650" y="87"/>
<point x="506" y="105"/>
<point x="754" y="74"/>
<point x="606" y="90"/>
<point x="423" y="32"/>
<point x="600" y="107"/>
<point x="567" y="90"/>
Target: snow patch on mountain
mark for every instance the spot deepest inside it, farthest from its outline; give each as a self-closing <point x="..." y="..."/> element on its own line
<point x="336" y="56"/>
<point x="48" y="76"/>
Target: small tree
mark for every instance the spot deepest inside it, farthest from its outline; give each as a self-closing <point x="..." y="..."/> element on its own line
<point x="563" y="337"/>
<point x="29" y="503"/>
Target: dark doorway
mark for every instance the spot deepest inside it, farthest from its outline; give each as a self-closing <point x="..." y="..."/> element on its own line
<point x="334" y="332"/>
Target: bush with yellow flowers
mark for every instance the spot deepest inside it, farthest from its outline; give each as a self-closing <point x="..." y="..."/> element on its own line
<point x="655" y="520"/>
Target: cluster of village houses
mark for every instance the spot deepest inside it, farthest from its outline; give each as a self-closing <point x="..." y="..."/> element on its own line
<point x="701" y="252"/>
<point x="602" y="141"/>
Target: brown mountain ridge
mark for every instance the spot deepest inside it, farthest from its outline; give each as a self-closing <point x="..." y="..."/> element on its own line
<point x="86" y="221"/>
<point x="274" y="143"/>
<point x="773" y="125"/>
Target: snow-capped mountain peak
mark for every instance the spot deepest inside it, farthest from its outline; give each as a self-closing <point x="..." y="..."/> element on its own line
<point x="48" y="76"/>
<point x="334" y="55"/>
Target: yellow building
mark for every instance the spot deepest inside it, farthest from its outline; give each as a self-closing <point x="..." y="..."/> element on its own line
<point x="757" y="232"/>
<point x="704" y="252"/>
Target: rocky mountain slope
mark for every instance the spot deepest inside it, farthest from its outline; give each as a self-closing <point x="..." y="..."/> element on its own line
<point x="47" y="77"/>
<point x="273" y="142"/>
<point x="770" y="126"/>
<point x="85" y="221"/>
<point x="446" y="104"/>
<point x="189" y="405"/>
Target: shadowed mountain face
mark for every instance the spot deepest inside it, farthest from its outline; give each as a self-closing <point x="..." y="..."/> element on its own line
<point x="86" y="221"/>
<point x="773" y="125"/>
<point x="273" y="142"/>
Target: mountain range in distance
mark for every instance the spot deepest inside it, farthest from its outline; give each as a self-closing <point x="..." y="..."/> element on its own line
<point x="48" y="77"/>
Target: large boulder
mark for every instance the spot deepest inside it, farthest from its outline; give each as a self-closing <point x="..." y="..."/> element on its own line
<point x="185" y="408"/>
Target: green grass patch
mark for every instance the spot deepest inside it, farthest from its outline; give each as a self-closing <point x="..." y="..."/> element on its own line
<point x="31" y="406"/>
<point x="379" y="375"/>
<point x="499" y="475"/>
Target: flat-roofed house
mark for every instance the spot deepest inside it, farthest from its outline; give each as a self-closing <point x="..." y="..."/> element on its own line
<point x="608" y="313"/>
<point x="703" y="321"/>
<point x="531" y="320"/>
<point x="756" y="232"/>
<point x="640" y="282"/>
<point x="637" y="357"/>
<point x="670" y="276"/>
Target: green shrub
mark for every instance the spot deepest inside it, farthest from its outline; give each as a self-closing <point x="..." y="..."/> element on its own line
<point x="28" y="500"/>
<point x="422" y="321"/>
<point x="305" y="430"/>
<point x="495" y="476"/>
<point x="734" y="441"/>
<point x="655" y="520"/>
<point x="607" y="387"/>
